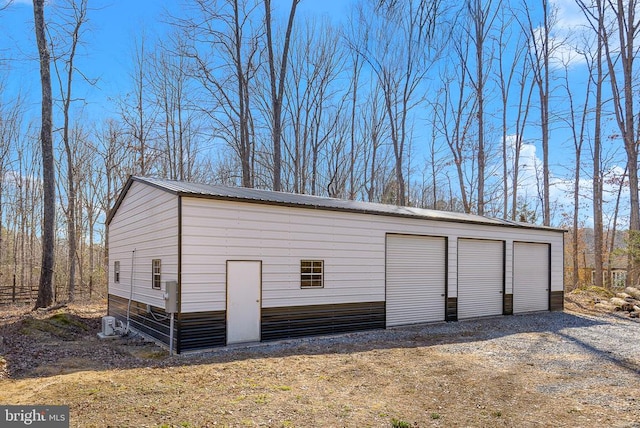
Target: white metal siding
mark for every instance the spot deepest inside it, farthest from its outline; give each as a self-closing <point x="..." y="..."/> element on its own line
<point x="530" y="277"/>
<point x="415" y="279"/>
<point x="352" y="246"/>
<point x="147" y="222"/>
<point x="480" y="277"/>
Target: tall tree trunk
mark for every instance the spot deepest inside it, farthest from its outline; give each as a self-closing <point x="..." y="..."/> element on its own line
<point x="623" y="100"/>
<point x="354" y="100"/>
<point x="597" y="151"/>
<point x="245" y="146"/>
<point x="539" y="54"/>
<point x="482" y="18"/>
<point x="45" y="288"/>
<point x="79" y="18"/>
<point x="277" y="87"/>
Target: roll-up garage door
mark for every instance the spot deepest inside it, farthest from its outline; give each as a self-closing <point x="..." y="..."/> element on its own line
<point x="415" y="279"/>
<point x="530" y="277"/>
<point x="480" y="278"/>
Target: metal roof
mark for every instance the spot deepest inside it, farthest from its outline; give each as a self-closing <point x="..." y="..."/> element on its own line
<point x="244" y="194"/>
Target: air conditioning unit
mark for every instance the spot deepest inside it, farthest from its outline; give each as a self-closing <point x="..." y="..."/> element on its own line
<point x="108" y="326"/>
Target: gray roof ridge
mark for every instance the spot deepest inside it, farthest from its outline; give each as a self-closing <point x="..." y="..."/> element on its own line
<point x="219" y="191"/>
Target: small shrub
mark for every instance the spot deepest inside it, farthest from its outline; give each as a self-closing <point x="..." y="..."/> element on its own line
<point x="397" y="423"/>
<point x="261" y="399"/>
<point x="600" y="291"/>
<point x="435" y="415"/>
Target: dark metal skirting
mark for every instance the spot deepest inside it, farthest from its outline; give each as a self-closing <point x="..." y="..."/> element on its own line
<point x="299" y="321"/>
<point x="202" y="330"/>
<point x="452" y="309"/>
<point x="557" y="301"/>
<point x="507" y="304"/>
<point x="192" y="331"/>
<point x="140" y="319"/>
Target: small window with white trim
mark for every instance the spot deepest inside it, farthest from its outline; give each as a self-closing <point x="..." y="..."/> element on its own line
<point x="155" y="266"/>
<point x="116" y="272"/>
<point x="311" y="273"/>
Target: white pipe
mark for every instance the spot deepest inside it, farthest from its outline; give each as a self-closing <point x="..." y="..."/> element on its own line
<point x="133" y="259"/>
<point x="171" y="335"/>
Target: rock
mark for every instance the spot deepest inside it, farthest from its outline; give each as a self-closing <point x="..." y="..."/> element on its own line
<point x="633" y="292"/>
<point x="605" y="306"/>
<point x="621" y="304"/>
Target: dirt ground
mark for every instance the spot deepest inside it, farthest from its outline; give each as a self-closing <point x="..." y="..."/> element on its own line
<point x="417" y="381"/>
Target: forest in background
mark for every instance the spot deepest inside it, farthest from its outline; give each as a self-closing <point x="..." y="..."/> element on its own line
<point x="509" y="109"/>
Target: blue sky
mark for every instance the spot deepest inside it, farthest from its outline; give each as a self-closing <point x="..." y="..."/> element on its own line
<point x="114" y="25"/>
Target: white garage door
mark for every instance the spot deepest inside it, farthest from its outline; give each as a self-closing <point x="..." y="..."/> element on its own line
<point x="415" y="279"/>
<point x="530" y="277"/>
<point x="480" y="278"/>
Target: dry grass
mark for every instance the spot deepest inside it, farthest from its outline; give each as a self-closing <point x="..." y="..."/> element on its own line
<point x="300" y="384"/>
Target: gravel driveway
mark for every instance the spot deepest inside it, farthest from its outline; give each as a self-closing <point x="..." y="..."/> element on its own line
<point x="560" y="369"/>
<point x="566" y="340"/>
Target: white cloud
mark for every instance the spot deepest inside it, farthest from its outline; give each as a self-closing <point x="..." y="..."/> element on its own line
<point x="568" y="34"/>
<point x="561" y="189"/>
<point x="568" y="15"/>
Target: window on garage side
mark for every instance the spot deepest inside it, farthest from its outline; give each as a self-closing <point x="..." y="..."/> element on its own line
<point x="116" y="272"/>
<point x="311" y="273"/>
<point x="155" y="279"/>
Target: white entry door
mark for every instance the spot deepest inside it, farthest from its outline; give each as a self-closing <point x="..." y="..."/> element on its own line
<point x="244" y="283"/>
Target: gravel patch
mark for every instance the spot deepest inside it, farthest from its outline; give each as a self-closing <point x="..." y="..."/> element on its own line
<point x="589" y="340"/>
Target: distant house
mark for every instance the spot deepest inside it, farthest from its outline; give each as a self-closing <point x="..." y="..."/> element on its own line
<point x="614" y="269"/>
<point x="253" y="265"/>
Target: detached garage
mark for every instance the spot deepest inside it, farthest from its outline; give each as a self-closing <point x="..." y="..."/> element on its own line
<point x="233" y="265"/>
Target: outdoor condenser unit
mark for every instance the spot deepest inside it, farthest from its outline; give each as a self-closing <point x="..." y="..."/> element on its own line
<point x="108" y="326"/>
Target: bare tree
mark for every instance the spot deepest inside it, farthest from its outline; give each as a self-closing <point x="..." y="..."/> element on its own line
<point x="577" y="126"/>
<point x="177" y="126"/>
<point x="621" y="66"/>
<point x="400" y="49"/>
<point x="540" y="51"/>
<point x="11" y="114"/>
<point x="376" y="159"/>
<point x="138" y="113"/>
<point x="525" y="91"/>
<point x="511" y="51"/>
<point x="75" y="13"/>
<point x="455" y="109"/>
<point x="482" y="14"/>
<point x="356" y="65"/>
<point x="595" y="14"/>
<point x="45" y="290"/>
<point x="224" y="50"/>
<point x="276" y="80"/>
<point x="313" y="106"/>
